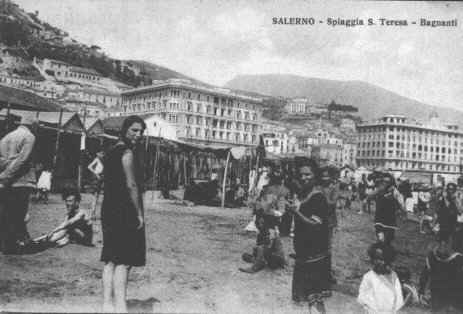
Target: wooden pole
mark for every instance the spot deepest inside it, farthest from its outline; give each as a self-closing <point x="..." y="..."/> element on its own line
<point x="184" y="169"/>
<point x="79" y="166"/>
<point x="225" y="179"/>
<point x="58" y="134"/>
<point x="156" y="157"/>
<point x="7" y="125"/>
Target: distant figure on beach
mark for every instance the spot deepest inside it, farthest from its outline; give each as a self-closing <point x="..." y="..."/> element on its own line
<point x="122" y="215"/>
<point x="96" y="167"/>
<point x="44" y="185"/>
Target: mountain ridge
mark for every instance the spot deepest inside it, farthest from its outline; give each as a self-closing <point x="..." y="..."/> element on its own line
<point x="372" y="101"/>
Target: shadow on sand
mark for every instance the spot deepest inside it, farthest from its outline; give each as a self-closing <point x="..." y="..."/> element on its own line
<point x="141" y="306"/>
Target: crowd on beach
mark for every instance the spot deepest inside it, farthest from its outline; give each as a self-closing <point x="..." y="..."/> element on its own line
<point x="306" y="203"/>
<point x="303" y="202"/>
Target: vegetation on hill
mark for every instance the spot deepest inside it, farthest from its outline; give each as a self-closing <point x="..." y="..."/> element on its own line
<point x="28" y="37"/>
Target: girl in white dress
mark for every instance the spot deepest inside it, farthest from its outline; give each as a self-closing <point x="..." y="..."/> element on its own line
<point x="380" y="291"/>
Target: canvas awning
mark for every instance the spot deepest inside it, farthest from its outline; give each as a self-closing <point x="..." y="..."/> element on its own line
<point x="70" y="122"/>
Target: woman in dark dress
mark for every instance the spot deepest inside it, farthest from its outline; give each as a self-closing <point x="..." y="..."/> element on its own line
<point x="122" y="215"/>
<point x="311" y="270"/>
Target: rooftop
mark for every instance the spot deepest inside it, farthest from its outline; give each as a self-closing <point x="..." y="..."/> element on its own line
<point x="183" y="83"/>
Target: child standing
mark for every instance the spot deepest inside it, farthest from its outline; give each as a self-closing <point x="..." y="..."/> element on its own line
<point x="380" y="290"/>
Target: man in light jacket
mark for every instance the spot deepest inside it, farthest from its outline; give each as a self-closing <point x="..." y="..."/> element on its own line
<point x="17" y="181"/>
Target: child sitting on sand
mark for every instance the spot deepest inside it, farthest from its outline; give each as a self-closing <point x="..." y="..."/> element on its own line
<point x="380" y="290"/>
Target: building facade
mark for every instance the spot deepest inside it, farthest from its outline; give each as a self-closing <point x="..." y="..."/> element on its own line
<point x="275" y="138"/>
<point x="66" y="72"/>
<point x="328" y="154"/>
<point x="349" y="154"/>
<point x="297" y="106"/>
<point x="202" y="114"/>
<point x="400" y="144"/>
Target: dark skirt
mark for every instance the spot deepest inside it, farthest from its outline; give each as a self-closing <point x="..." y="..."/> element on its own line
<point x="123" y="243"/>
<point x="311" y="280"/>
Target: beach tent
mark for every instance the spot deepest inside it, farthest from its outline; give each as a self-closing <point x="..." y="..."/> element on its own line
<point x="57" y="142"/>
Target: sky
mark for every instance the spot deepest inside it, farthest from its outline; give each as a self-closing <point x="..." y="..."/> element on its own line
<point x="214" y="41"/>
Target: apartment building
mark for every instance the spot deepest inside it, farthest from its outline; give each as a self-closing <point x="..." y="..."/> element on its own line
<point x="202" y="114"/>
<point x="398" y="143"/>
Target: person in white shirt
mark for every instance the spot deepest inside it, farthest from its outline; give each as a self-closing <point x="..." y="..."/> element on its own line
<point x="380" y="291"/>
<point x="97" y="167"/>
<point x="44" y="185"/>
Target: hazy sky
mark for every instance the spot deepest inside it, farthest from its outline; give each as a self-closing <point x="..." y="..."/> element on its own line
<point x="216" y="40"/>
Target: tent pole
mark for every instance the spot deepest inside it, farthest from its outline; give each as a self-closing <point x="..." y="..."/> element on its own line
<point x="7" y="125"/>
<point x="156" y="157"/>
<point x="225" y="179"/>
<point x="81" y="153"/>
<point x="58" y="133"/>
<point x="184" y="168"/>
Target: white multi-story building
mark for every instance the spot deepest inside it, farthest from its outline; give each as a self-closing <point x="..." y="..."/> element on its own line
<point x="397" y="143"/>
<point x="63" y="71"/>
<point x="106" y="98"/>
<point x="275" y="137"/>
<point x="201" y="113"/>
<point x="297" y="106"/>
<point x="349" y="154"/>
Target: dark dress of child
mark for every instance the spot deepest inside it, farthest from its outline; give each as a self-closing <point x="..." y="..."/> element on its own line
<point x="123" y="243"/>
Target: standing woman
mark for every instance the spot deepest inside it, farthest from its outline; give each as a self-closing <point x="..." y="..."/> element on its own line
<point x="311" y="270"/>
<point x="122" y="215"/>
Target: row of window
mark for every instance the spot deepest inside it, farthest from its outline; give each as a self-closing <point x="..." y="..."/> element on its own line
<point x="414" y="147"/>
<point x="186" y="94"/>
<point x="406" y="131"/>
<point x="191" y="107"/>
<point x="412" y="155"/>
<point x="407" y="165"/>
<point x="207" y="134"/>
<point x="209" y="122"/>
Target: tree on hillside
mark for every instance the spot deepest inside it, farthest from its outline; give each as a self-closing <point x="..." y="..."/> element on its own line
<point x="13" y="33"/>
<point x="333" y="106"/>
<point x="274" y="108"/>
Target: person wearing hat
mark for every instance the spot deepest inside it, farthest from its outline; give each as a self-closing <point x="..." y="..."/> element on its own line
<point x="17" y="181"/>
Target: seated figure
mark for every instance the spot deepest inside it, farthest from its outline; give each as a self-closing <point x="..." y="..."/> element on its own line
<point x="76" y="227"/>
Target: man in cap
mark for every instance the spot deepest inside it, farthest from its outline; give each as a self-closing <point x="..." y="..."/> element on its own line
<point x="17" y="181"/>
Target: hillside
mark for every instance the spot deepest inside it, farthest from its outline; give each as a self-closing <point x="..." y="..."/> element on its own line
<point x="372" y="101"/>
<point x="156" y="72"/>
<point x="24" y="36"/>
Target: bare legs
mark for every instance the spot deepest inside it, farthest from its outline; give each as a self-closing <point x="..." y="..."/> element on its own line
<point x="108" y="273"/>
<point x="319" y="306"/>
<point x="115" y="287"/>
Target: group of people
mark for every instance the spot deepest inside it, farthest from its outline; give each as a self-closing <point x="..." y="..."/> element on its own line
<point x="305" y="206"/>
<point x="122" y="213"/>
<point x="302" y="204"/>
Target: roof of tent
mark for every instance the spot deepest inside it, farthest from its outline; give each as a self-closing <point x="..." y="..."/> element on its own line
<point x="21" y="99"/>
<point x="70" y="120"/>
